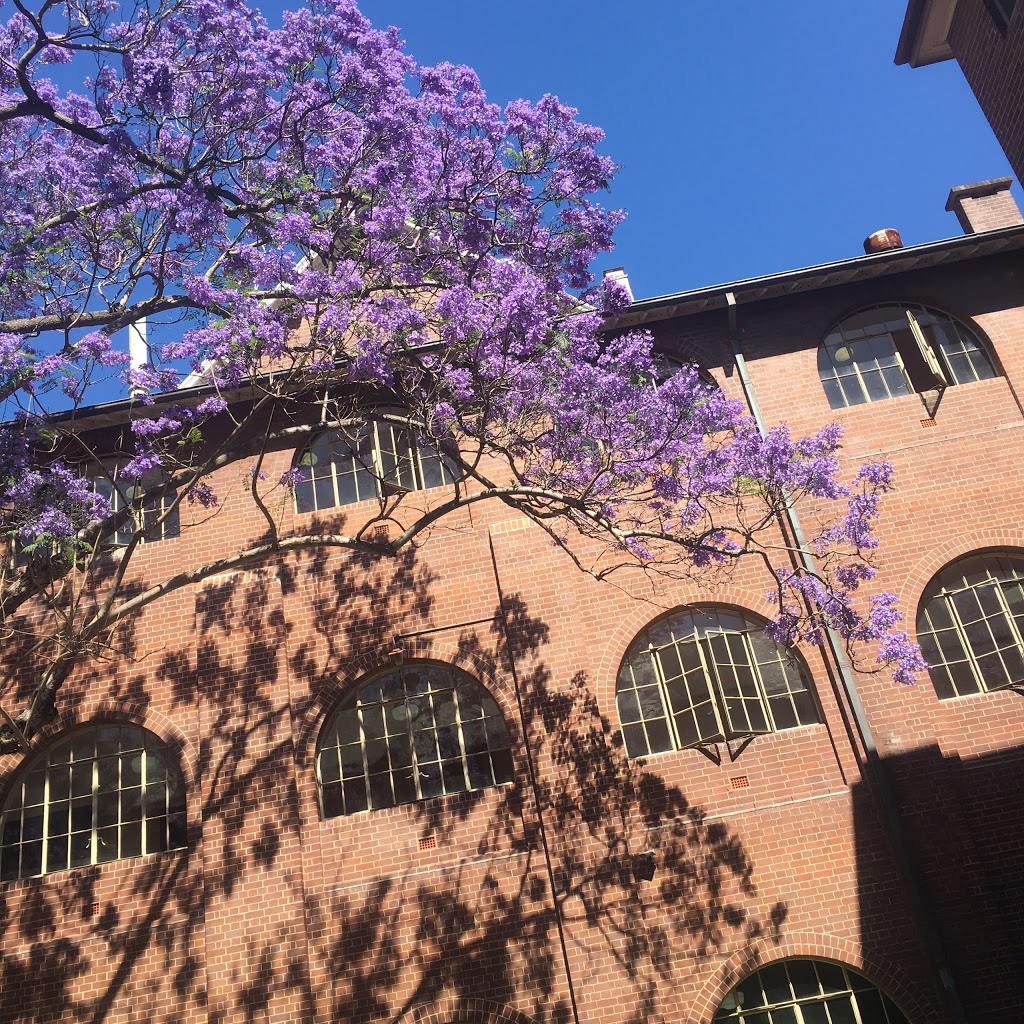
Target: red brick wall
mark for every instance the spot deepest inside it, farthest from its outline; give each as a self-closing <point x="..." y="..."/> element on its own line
<point x="522" y="903"/>
<point x="993" y="63"/>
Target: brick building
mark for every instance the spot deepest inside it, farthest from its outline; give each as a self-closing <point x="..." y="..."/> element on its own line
<point x="239" y="819"/>
<point x="987" y="39"/>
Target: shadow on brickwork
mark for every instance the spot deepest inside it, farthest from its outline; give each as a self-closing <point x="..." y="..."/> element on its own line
<point x="962" y="819"/>
<point x="587" y="846"/>
<point x="586" y="853"/>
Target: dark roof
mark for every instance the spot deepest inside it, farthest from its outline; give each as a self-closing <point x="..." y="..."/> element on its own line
<point x="826" y="275"/>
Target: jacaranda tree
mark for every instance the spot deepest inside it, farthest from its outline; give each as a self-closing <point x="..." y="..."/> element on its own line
<point x="320" y="224"/>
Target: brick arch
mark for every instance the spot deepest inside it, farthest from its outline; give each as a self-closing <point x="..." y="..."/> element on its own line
<point x="338" y="685"/>
<point x="965" y="543"/>
<point x="728" y="595"/>
<point x="109" y="712"/>
<point x="471" y="1011"/>
<point x="887" y="975"/>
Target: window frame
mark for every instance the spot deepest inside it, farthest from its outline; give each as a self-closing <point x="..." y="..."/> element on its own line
<point x="103" y="478"/>
<point x="716" y="672"/>
<point x="923" y="359"/>
<point x="394" y="466"/>
<point x="836" y="982"/>
<point x="60" y="757"/>
<point x="942" y="588"/>
<point x="399" y="734"/>
<point x="1001" y="12"/>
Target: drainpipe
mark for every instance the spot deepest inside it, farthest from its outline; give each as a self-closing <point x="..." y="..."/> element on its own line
<point x="920" y="905"/>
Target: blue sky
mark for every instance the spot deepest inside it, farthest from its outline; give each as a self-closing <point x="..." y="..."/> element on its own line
<point x="752" y="137"/>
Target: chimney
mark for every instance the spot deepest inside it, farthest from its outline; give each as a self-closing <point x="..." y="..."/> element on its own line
<point x="138" y="350"/>
<point x="619" y="276"/>
<point x="984" y="206"/>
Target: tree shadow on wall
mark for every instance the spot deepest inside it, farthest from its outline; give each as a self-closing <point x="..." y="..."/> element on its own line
<point x="518" y="878"/>
<point x="588" y="856"/>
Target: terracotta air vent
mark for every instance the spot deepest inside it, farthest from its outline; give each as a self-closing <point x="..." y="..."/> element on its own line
<point x="880" y="241"/>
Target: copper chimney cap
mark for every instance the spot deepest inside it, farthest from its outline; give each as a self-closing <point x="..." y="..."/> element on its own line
<point x="880" y="241"/>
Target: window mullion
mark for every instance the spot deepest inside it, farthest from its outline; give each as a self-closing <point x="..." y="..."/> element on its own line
<point x="375" y="457"/>
<point x="46" y="818"/>
<point x="416" y="463"/>
<point x="362" y="752"/>
<point x="412" y="747"/>
<point x="94" y="845"/>
<point x="333" y="460"/>
<point x="143" y="823"/>
<point x="462" y="740"/>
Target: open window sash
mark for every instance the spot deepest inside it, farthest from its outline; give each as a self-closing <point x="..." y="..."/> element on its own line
<point x="750" y="700"/>
<point x="931" y="360"/>
<point x="693" y="703"/>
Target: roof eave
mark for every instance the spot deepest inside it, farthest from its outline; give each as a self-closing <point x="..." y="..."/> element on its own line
<point x="827" y="275"/>
<point x="924" y="37"/>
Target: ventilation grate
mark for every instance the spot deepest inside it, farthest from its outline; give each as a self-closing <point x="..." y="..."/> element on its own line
<point x="428" y="843"/>
<point x="740" y="782"/>
<point x="928" y="423"/>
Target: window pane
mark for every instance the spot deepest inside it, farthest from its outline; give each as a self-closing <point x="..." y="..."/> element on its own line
<point x="177" y="831"/>
<point x="356" y="797"/>
<point x="636" y="740"/>
<point x="57" y="822"/>
<point x="81" y="849"/>
<point x="131" y="839"/>
<point x="106" y="844"/>
<point x="32" y="859"/>
<point x="658" y="735"/>
<point x="56" y="853"/>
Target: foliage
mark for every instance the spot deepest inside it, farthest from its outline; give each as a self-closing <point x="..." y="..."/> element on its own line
<point x="312" y="213"/>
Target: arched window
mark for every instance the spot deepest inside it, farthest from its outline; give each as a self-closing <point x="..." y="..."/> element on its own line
<point x="366" y="460"/>
<point x="807" y="992"/>
<point x="970" y="624"/>
<point x="104" y="793"/>
<point x="421" y="731"/>
<point x="896" y="350"/>
<point x="147" y="498"/>
<point x="704" y="676"/>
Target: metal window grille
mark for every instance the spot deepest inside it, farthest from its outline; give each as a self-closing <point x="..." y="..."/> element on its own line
<point x="103" y="794"/>
<point x="971" y="625"/>
<point x="368" y="460"/>
<point x="420" y="732"/>
<point x="890" y="351"/>
<point x="704" y="677"/>
<point x="807" y="992"/>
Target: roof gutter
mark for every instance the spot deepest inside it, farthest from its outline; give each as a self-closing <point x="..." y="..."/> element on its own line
<point x="826" y="275"/>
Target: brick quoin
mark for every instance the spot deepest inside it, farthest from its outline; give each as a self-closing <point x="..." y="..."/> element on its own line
<point x="525" y="903"/>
